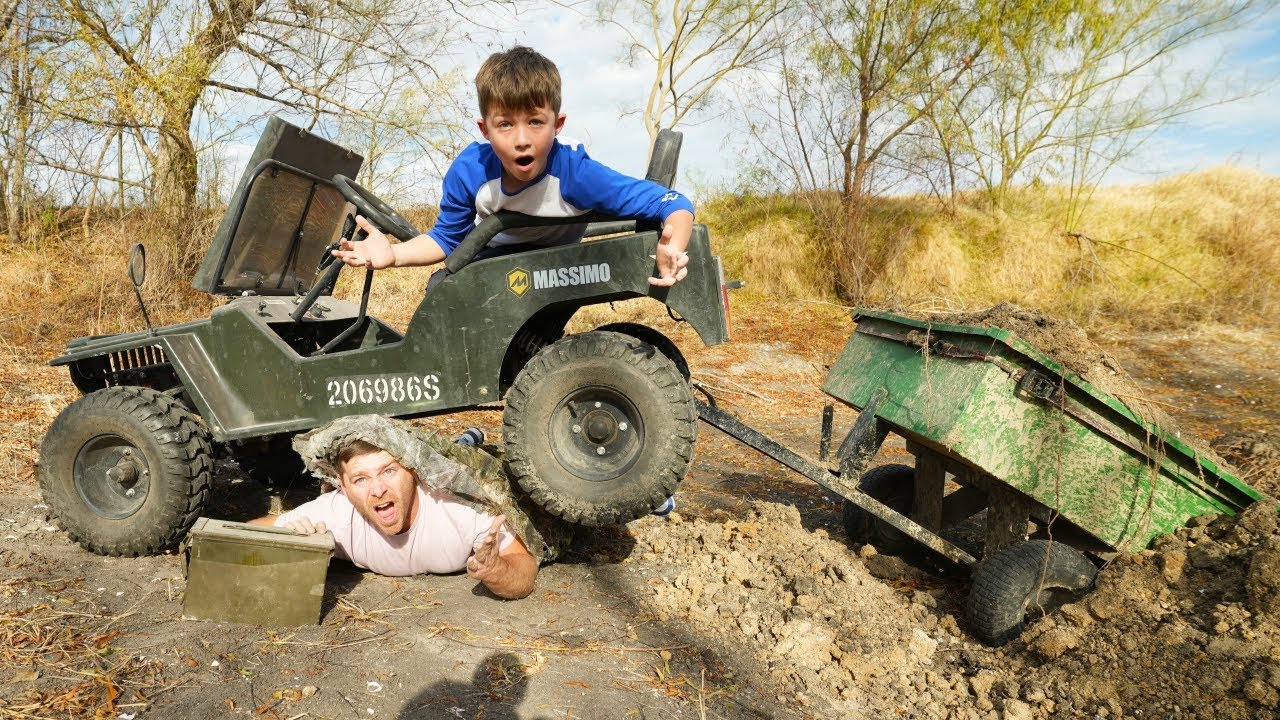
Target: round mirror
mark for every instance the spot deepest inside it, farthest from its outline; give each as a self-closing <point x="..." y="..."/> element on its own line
<point x="138" y="264"/>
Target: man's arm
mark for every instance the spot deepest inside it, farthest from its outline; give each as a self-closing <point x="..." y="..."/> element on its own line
<point x="302" y="525"/>
<point x="508" y="573"/>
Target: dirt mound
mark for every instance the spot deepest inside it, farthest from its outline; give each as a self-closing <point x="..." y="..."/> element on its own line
<point x="1190" y="629"/>
<point x="1257" y="455"/>
<point x="1067" y="344"/>
<point x="824" y="628"/>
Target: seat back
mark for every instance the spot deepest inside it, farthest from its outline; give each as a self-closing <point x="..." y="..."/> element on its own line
<point x="665" y="157"/>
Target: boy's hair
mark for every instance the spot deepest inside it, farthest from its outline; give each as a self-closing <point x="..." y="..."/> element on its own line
<point x="517" y="79"/>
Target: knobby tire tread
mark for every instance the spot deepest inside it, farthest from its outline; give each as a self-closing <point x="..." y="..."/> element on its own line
<point x="1006" y="583"/>
<point x="675" y="400"/>
<point x="185" y="468"/>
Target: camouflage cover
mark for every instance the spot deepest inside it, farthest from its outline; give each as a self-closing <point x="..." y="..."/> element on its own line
<point x="469" y="474"/>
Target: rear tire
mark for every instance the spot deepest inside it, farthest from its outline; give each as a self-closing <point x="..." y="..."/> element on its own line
<point x="1021" y="581"/>
<point x="895" y="486"/>
<point x="126" y="470"/>
<point x="599" y="428"/>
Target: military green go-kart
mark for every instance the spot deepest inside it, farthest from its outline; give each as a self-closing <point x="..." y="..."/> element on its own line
<point x="599" y="427"/>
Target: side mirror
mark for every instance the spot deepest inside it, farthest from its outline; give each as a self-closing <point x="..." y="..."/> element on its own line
<point x="138" y="265"/>
<point x="138" y="275"/>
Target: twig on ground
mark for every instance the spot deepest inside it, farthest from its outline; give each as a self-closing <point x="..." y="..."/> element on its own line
<point x="744" y="391"/>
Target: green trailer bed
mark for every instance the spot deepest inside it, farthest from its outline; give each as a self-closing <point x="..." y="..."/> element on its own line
<point x="1019" y="424"/>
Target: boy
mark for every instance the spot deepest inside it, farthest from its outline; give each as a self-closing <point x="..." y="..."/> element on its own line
<point x="524" y="167"/>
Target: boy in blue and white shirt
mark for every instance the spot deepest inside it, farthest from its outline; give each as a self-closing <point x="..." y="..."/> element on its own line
<point x="524" y="167"/>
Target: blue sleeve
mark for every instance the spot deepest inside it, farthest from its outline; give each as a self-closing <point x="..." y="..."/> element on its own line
<point x="458" y="199"/>
<point x="590" y="185"/>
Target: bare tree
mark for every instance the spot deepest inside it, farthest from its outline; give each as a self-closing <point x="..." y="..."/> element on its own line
<point x="693" y="45"/>
<point x="857" y="81"/>
<point x="152" y="65"/>
<point x="25" y="82"/>
<point x="1087" y="80"/>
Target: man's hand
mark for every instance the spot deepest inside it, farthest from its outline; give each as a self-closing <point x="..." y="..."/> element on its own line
<point x="374" y="251"/>
<point x="508" y="573"/>
<point x="485" y="563"/>
<point x="303" y="526"/>
<point x="670" y="256"/>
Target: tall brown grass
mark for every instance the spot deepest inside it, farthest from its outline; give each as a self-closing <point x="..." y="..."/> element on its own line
<point x="1191" y="248"/>
<point x="1185" y="249"/>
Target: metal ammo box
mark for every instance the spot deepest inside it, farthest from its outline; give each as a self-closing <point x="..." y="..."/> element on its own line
<point x="254" y="574"/>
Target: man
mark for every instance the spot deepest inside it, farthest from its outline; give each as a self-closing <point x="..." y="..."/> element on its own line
<point x="401" y="507"/>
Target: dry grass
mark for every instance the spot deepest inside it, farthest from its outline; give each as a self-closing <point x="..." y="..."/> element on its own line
<point x="1186" y="249"/>
<point x="1191" y="248"/>
<point x="63" y="662"/>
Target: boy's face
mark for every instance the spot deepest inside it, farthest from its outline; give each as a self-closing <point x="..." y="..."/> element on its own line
<point x="382" y="490"/>
<point x="522" y="140"/>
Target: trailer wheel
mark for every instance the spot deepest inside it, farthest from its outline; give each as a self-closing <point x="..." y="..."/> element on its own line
<point x="599" y="428"/>
<point x="895" y="486"/>
<point x="126" y="470"/>
<point x="1024" y="581"/>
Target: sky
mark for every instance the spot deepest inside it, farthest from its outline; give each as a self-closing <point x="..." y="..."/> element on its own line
<point x="596" y="85"/>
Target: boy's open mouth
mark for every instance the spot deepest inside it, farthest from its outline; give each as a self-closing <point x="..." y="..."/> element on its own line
<point x="386" y="511"/>
<point x="524" y="161"/>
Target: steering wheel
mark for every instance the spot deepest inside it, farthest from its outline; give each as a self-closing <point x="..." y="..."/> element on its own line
<point x="378" y="212"/>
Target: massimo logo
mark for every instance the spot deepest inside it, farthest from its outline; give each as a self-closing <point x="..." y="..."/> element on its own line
<point x="518" y="281"/>
<point x="567" y="276"/>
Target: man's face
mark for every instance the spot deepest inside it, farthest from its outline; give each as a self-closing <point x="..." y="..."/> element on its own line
<point x="382" y="490"/>
<point x="522" y="140"/>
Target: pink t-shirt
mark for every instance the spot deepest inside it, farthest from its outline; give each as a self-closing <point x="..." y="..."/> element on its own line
<point x="442" y="536"/>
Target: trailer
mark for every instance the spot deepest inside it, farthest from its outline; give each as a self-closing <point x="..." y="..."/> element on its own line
<point x="1059" y="471"/>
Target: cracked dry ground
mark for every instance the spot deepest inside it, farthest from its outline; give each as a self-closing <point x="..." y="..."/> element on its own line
<point x="746" y="603"/>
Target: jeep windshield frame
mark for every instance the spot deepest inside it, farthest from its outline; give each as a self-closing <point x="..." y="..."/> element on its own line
<point x="255" y="261"/>
<point x="285" y="211"/>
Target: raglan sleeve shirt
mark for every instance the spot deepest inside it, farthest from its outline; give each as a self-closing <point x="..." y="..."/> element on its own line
<point x="572" y="185"/>
<point x="591" y="185"/>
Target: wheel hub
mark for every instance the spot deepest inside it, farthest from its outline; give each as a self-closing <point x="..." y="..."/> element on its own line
<point x="601" y="426"/>
<point x="111" y="476"/>
<point x="596" y="433"/>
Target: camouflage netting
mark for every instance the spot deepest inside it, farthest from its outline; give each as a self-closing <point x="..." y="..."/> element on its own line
<point x="468" y="474"/>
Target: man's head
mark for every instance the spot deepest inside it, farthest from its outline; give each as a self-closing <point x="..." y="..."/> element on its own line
<point x="520" y="116"/>
<point x="382" y="490"/>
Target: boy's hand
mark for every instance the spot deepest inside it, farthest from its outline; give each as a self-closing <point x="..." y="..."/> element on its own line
<point x="671" y="257"/>
<point x="374" y="251"/>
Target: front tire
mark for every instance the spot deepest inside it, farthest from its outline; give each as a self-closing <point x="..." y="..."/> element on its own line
<point x="126" y="470"/>
<point x="599" y="428"/>
<point x="1022" y="580"/>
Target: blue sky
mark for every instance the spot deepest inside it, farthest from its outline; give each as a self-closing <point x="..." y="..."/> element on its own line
<point x="596" y="85"/>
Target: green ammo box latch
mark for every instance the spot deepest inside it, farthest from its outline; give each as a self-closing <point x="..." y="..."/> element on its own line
<point x="254" y="574"/>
